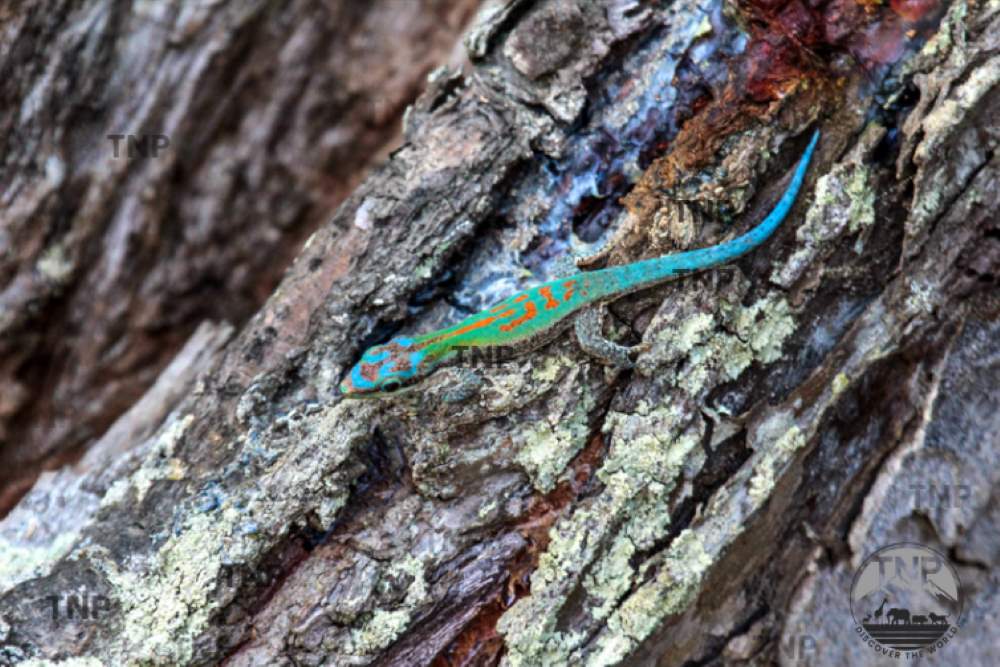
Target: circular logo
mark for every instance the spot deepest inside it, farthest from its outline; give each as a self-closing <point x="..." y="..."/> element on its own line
<point x="906" y="599"/>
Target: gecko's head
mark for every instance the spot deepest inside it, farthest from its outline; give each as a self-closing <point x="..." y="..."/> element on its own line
<point x="386" y="368"/>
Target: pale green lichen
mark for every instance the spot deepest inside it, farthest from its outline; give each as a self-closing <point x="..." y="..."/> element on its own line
<point x="546" y="448"/>
<point x="649" y="523"/>
<point x="840" y="383"/>
<point x="728" y="341"/>
<point x="860" y="193"/>
<point x="613" y="579"/>
<point x="646" y="524"/>
<point x="690" y="339"/>
<point x="550" y="368"/>
<point x="693" y="331"/>
<point x="168" y="601"/>
<point x="926" y="207"/>
<point x="670" y="592"/>
<point x="54" y="264"/>
<point x="853" y="181"/>
<point x="685" y="563"/>
<point x="329" y="507"/>
<point x="772" y="460"/>
<point x="165" y="608"/>
<point x="651" y="457"/>
<point x="529" y="625"/>
<point x="544" y="451"/>
<point x="765" y="325"/>
<point x="639" y="473"/>
<point x="843" y="203"/>
<point x="380" y="631"/>
<point x="920" y="297"/>
<point x="425" y="270"/>
<point x="159" y="464"/>
<point x="386" y="624"/>
<point x="413" y="567"/>
<point x="941" y="42"/>
<point x="23" y="561"/>
<point x="487" y="510"/>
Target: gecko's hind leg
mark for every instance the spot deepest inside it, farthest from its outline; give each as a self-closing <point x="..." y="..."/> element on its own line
<point x="465" y="387"/>
<point x="569" y="264"/>
<point x="595" y="260"/>
<point x="593" y="342"/>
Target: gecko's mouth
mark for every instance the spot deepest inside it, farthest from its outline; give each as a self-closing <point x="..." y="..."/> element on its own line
<point x="391" y="388"/>
<point x="357" y="395"/>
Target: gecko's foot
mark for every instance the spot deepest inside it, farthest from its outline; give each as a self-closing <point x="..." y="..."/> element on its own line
<point x="593" y="261"/>
<point x="593" y="342"/>
<point x="467" y="385"/>
<point x="632" y="353"/>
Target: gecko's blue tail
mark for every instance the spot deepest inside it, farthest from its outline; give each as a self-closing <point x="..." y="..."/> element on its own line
<point x="639" y="275"/>
<point x="703" y="258"/>
<point x="761" y="232"/>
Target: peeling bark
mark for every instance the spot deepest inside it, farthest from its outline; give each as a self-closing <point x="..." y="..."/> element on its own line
<point x="711" y="506"/>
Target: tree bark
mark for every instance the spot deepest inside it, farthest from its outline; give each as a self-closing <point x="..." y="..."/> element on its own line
<point x="835" y="393"/>
<point x="161" y="167"/>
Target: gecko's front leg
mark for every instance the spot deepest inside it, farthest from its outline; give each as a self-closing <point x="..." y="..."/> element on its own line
<point x="592" y="340"/>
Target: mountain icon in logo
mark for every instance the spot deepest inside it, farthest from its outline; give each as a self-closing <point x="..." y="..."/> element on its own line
<point x="906" y="597"/>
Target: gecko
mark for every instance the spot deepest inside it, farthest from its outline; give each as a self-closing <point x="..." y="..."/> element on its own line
<point x="534" y="317"/>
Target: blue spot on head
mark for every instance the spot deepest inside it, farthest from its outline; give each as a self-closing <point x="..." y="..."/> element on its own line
<point x="358" y="380"/>
<point x="415" y="359"/>
<point x="373" y="356"/>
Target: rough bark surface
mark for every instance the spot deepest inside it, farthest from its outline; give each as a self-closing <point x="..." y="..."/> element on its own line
<point x="109" y="259"/>
<point x="834" y="394"/>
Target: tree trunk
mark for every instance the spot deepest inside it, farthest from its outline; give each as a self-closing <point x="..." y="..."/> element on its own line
<point x="164" y="327"/>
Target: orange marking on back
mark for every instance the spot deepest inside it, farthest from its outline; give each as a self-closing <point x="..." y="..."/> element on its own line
<point x="570" y="285"/>
<point x="550" y="302"/>
<point x="479" y="324"/>
<point x="529" y="314"/>
<point x="520" y="297"/>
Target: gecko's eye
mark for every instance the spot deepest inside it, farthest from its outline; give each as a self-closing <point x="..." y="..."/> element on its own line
<point x="392" y="385"/>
